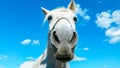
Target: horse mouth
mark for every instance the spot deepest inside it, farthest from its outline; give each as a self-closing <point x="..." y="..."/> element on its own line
<point x="64" y="59"/>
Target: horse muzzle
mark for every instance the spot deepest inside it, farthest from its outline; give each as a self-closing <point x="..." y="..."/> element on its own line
<point x="64" y="57"/>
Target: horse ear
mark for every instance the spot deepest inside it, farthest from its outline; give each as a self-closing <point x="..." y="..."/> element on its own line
<point x="45" y="11"/>
<point x="72" y="6"/>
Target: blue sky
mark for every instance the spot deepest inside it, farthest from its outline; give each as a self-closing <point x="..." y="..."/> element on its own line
<point x="22" y="38"/>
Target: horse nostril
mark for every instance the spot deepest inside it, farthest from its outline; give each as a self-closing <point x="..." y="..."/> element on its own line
<point x="73" y="37"/>
<point x="55" y="36"/>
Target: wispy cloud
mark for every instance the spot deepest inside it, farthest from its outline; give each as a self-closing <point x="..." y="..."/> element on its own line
<point x="26" y="42"/>
<point x="3" y="57"/>
<point x="30" y="42"/>
<point x="30" y="58"/>
<point x="76" y="58"/>
<point x="82" y="12"/>
<point x="36" y="42"/>
<point x="111" y="22"/>
<point x="86" y="48"/>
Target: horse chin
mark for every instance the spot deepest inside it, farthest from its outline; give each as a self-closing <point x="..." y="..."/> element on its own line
<point x="64" y="59"/>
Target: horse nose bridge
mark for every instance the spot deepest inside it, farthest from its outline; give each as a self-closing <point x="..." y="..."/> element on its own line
<point x="64" y="24"/>
<point x="64" y="30"/>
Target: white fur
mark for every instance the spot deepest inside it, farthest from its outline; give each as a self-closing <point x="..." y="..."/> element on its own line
<point x="59" y="13"/>
<point x="56" y="14"/>
<point x="35" y="64"/>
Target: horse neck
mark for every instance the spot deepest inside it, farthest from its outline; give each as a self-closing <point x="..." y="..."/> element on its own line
<point x="51" y="60"/>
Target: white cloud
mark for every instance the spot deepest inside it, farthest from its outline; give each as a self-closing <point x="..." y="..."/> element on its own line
<point x="36" y="42"/>
<point x="111" y="22"/>
<point x="116" y="17"/>
<point x="76" y="58"/>
<point x="30" y="42"/>
<point x="113" y="31"/>
<point x="26" y="42"/>
<point x="87" y="17"/>
<point x="104" y="20"/>
<point x="114" y="34"/>
<point x="82" y="13"/>
<point x="3" y="57"/>
<point x="86" y="49"/>
<point x="30" y="58"/>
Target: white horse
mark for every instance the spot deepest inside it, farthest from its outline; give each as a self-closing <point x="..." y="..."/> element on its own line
<point x="62" y="39"/>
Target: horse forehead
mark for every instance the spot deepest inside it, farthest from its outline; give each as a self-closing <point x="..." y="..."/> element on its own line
<point x="62" y="12"/>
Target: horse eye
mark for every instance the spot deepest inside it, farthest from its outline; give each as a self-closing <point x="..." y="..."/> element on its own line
<point x="75" y="19"/>
<point x="49" y="17"/>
